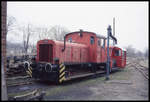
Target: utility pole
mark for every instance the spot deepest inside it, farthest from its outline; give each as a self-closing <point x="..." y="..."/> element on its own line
<point x="108" y="59"/>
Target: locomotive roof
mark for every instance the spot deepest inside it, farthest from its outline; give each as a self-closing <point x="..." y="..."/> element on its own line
<point x="118" y="46"/>
<point x="97" y="35"/>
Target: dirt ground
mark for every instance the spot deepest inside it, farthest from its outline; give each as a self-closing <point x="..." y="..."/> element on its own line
<point x="124" y="84"/>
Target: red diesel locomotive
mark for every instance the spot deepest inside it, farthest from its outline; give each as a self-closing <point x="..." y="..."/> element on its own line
<point x="81" y="53"/>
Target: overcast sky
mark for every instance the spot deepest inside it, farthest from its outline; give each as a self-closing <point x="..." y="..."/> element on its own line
<point x="131" y="18"/>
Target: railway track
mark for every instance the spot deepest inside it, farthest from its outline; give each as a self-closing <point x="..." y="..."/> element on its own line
<point x="21" y="80"/>
<point x="142" y="69"/>
<point x="24" y="80"/>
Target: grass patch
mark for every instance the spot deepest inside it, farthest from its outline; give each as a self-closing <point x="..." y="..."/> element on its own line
<point x="57" y="90"/>
<point x="124" y="74"/>
<point x="119" y="75"/>
<point x="63" y="88"/>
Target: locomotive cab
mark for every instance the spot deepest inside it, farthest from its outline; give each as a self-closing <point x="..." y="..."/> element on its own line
<point x="96" y="44"/>
<point x="118" y="57"/>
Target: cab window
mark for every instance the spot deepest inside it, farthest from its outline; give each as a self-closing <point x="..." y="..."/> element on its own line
<point x="92" y="40"/>
<point x="70" y="39"/>
<point x="117" y="52"/>
<point x="103" y="43"/>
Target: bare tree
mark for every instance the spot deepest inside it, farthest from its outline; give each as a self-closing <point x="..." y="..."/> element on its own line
<point x="32" y="48"/>
<point x="58" y="32"/>
<point x="130" y="51"/>
<point x="11" y="23"/>
<point x="15" y="48"/>
<point x="139" y="54"/>
<point x="43" y="32"/>
<point x="146" y="53"/>
<point x="27" y="33"/>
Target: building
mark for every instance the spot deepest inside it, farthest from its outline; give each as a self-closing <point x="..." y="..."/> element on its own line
<point x="3" y="49"/>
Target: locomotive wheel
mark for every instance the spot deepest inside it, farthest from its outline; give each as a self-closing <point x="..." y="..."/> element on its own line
<point x="94" y="69"/>
<point x="48" y="67"/>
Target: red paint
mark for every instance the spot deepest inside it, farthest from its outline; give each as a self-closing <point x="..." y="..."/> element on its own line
<point x="81" y="50"/>
<point x="121" y="59"/>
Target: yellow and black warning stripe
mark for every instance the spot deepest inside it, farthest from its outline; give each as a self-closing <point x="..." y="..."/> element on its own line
<point x="29" y="71"/>
<point x="61" y="73"/>
<point x="28" y="68"/>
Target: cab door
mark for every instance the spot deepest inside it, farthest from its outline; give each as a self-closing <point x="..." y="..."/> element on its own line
<point x="98" y="54"/>
<point x="118" y="57"/>
<point x="92" y="49"/>
<point x="103" y="51"/>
